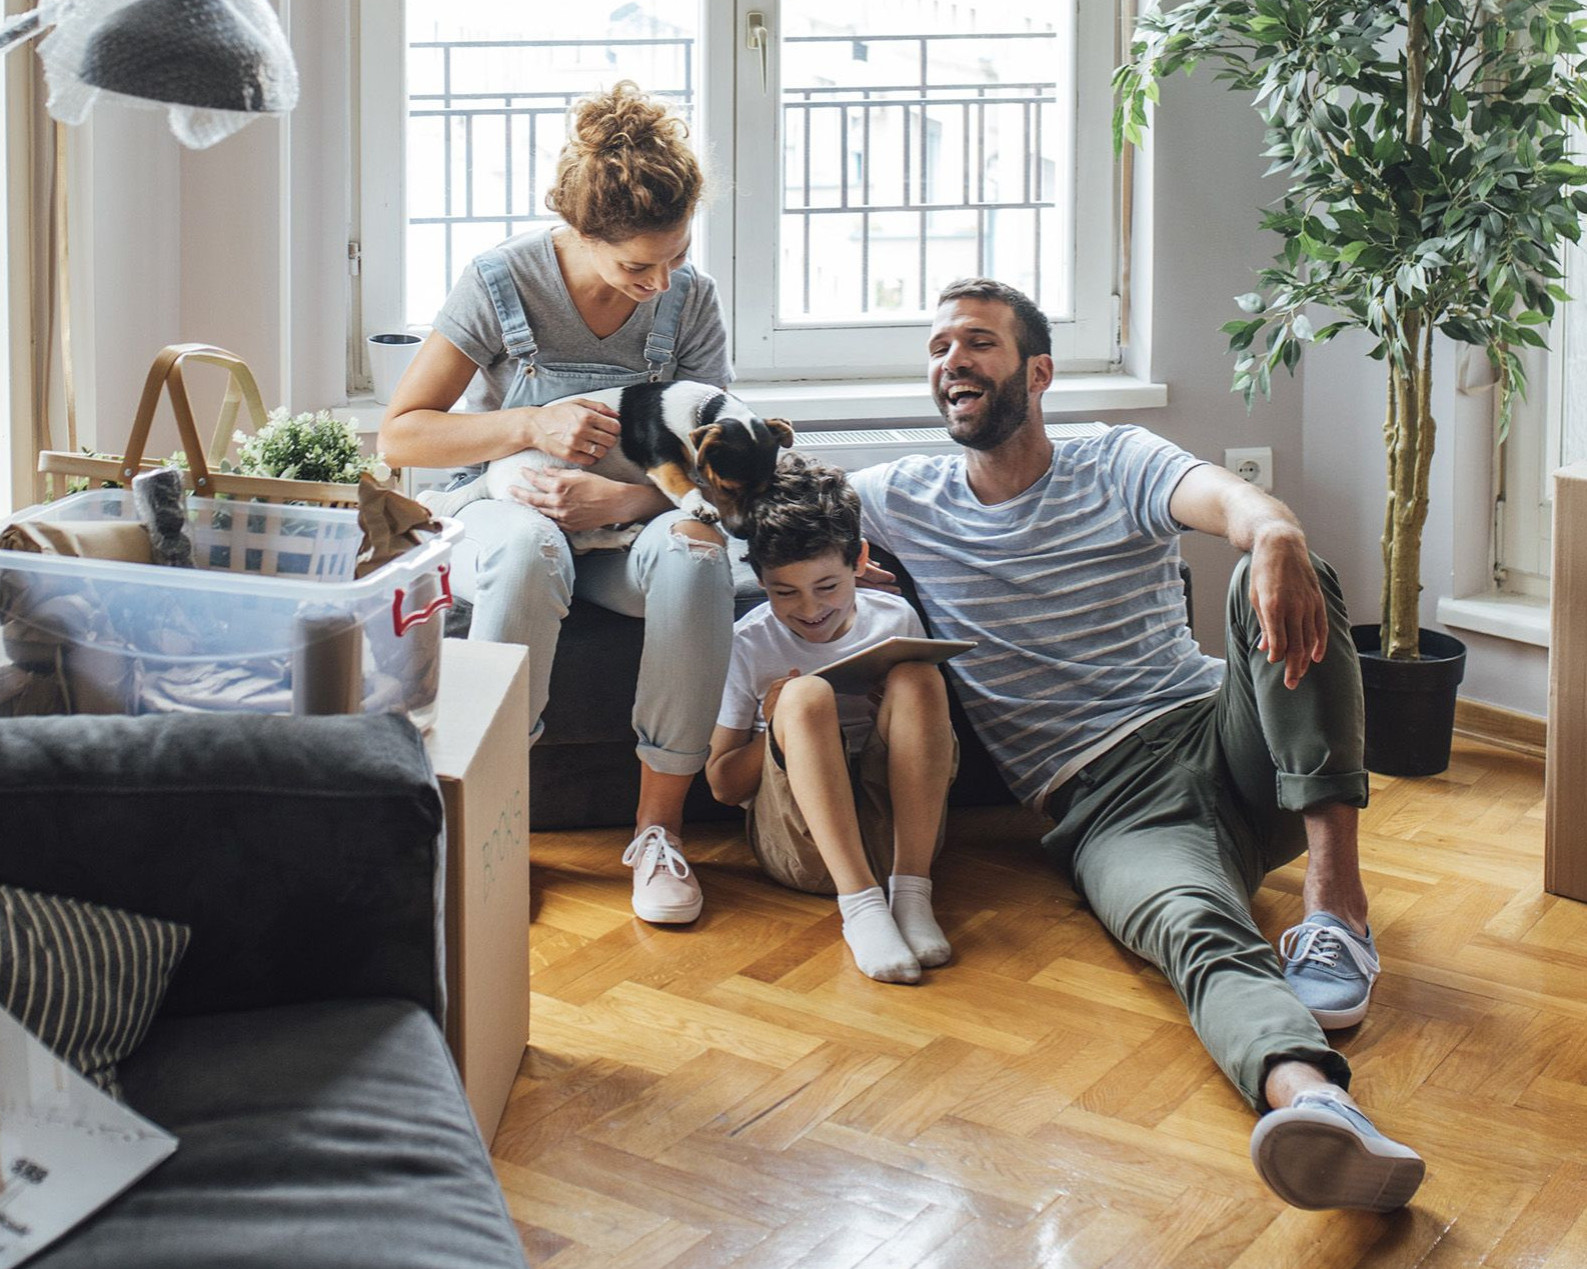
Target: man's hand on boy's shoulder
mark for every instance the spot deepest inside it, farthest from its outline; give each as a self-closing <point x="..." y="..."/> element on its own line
<point x="877" y="578"/>
<point x="769" y="706"/>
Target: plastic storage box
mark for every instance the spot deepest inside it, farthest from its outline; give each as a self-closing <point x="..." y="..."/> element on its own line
<point x="271" y="620"/>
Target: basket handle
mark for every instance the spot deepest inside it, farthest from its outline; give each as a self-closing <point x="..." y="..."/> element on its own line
<point x="167" y="372"/>
<point x="402" y="622"/>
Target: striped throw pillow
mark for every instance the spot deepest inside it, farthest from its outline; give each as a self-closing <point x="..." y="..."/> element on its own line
<point x="85" y="979"/>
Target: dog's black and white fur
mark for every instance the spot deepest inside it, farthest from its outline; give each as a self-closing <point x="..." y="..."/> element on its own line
<point x="702" y="447"/>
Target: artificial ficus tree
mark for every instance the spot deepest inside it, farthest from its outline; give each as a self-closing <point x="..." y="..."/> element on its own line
<point x="1431" y="184"/>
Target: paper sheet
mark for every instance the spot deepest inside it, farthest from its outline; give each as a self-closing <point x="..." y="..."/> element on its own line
<point x="66" y="1149"/>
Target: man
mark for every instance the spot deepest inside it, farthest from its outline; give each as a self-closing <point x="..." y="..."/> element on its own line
<point x="1174" y="784"/>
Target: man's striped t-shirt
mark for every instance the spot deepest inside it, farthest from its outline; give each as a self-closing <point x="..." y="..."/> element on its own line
<point x="1071" y="590"/>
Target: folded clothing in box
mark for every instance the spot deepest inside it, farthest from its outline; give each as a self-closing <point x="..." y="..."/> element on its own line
<point x="272" y="619"/>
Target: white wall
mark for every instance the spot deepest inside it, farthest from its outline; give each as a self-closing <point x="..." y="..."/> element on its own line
<point x="188" y="247"/>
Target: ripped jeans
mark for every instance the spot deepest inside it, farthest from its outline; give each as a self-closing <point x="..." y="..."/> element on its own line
<point x="513" y="564"/>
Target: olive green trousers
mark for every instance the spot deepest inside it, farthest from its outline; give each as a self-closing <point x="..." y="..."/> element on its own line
<point x="1169" y="833"/>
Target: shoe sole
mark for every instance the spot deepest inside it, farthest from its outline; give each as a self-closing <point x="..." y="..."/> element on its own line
<point x="1337" y="1019"/>
<point x="670" y="914"/>
<point x="1312" y="1160"/>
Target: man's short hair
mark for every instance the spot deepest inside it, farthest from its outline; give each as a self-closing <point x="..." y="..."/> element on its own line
<point x="808" y="509"/>
<point x="1033" y="332"/>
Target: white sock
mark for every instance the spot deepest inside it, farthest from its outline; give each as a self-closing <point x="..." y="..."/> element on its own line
<point x="448" y="502"/>
<point x="879" y="949"/>
<point x="911" y="905"/>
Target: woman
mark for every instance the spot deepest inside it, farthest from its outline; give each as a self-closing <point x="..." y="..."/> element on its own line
<point x="603" y="300"/>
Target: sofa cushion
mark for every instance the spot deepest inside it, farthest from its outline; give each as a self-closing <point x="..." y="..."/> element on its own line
<point x="303" y="852"/>
<point x="318" y="1136"/>
<point x="85" y="979"/>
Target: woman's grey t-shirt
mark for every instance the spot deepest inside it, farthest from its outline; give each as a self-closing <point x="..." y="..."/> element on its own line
<point x="468" y="319"/>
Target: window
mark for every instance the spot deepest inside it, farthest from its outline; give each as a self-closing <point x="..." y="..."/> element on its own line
<point x="863" y="153"/>
<point x="1548" y="431"/>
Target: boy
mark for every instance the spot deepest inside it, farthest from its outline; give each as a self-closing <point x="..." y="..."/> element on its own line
<point x="839" y="790"/>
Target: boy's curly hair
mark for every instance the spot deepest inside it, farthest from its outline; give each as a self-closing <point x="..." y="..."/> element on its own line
<point x="809" y="509"/>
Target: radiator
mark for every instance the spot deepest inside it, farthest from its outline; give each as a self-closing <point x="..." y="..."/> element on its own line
<point x="865" y="447"/>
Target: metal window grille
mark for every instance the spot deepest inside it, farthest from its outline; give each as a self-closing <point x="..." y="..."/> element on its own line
<point x="925" y="172"/>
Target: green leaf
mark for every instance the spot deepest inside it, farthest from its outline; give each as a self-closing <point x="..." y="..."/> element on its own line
<point x="1251" y="302"/>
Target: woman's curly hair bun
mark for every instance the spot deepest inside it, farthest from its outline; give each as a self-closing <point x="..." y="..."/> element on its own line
<point x="627" y="168"/>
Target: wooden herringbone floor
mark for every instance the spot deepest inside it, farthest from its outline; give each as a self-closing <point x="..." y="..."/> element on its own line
<point x="738" y="1094"/>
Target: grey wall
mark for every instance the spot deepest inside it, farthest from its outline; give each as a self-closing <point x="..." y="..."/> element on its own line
<point x="1207" y="191"/>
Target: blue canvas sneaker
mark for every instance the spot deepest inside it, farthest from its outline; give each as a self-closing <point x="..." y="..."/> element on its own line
<point x="1321" y="1152"/>
<point x="1331" y="968"/>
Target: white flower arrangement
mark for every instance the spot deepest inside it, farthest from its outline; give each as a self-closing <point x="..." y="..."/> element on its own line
<point x="316" y="447"/>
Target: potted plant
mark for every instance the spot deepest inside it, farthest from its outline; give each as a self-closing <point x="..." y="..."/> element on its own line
<point x="1430" y="187"/>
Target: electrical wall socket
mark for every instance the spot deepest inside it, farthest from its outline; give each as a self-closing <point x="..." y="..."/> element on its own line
<point x="1255" y="466"/>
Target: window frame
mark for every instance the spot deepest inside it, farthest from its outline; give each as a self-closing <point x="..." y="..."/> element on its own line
<point x="739" y="163"/>
<point x="765" y="348"/>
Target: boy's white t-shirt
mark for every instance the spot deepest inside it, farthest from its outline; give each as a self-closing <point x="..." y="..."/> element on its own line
<point x="764" y="650"/>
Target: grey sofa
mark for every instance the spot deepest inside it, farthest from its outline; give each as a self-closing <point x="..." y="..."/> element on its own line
<point x="297" y="1055"/>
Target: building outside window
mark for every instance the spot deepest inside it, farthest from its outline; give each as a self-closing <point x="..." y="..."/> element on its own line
<point x="862" y="154"/>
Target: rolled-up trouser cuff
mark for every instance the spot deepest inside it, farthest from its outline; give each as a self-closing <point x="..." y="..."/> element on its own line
<point x="1303" y="792"/>
<point x="666" y="762"/>
<point x="1254" y="1069"/>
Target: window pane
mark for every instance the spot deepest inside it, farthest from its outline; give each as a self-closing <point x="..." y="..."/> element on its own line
<point x="488" y="92"/>
<point x="922" y="141"/>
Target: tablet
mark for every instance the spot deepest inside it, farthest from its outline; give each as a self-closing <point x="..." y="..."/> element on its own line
<point x="857" y="673"/>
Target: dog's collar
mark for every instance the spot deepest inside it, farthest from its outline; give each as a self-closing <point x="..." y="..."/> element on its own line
<point x="703" y="402"/>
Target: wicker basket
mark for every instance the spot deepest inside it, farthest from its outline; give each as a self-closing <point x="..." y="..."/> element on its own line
<point x="166" y="372"/>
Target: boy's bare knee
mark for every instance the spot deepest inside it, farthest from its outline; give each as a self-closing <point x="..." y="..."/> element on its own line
<point x="808" y="693"/>
<point x="919" y="679"/>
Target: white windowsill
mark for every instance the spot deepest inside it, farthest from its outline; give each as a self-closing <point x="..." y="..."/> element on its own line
<point x="1516" y="617"/>
<point x="364" y="411"/>
<point x="901" y="401"/>
<point x="878" y="400"/>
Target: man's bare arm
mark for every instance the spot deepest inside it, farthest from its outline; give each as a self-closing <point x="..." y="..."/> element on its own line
<point x="1284" y="589"/>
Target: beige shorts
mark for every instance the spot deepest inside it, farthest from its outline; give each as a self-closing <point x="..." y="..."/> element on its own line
<point x="781" y="839"/>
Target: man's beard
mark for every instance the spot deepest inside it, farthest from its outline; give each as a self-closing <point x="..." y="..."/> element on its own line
<point x="1006" y="407"/>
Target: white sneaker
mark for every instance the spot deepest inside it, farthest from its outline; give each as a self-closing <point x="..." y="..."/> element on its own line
<point x="666" y="892"/>
<point x="1321" y="1152"/>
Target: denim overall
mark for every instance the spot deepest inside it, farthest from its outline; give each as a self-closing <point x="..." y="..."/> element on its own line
<point x="540" y="385"/>
<point x="523" y="574"/>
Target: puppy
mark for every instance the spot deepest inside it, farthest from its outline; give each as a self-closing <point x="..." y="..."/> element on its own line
<point x="702" y="447"/>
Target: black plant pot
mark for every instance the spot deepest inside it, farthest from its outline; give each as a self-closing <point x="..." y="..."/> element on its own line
<point x="1410" y="704"/>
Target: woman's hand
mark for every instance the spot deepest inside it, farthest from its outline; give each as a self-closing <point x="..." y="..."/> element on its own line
<point x="768" y="707"/>
<point x="578" y="500"/>
<point x="578" y="431"/>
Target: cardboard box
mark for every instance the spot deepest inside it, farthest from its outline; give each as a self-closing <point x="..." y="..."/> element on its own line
<point x="480" y="748"/>
<point x="1565" y="797"/>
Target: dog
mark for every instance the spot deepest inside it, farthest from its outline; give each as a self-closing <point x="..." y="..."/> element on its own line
<point x="701" y="446"/>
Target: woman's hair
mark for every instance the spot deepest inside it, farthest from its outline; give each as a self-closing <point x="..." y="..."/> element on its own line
<point x="627" y="168"/>
<point x="809" y="509"/>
